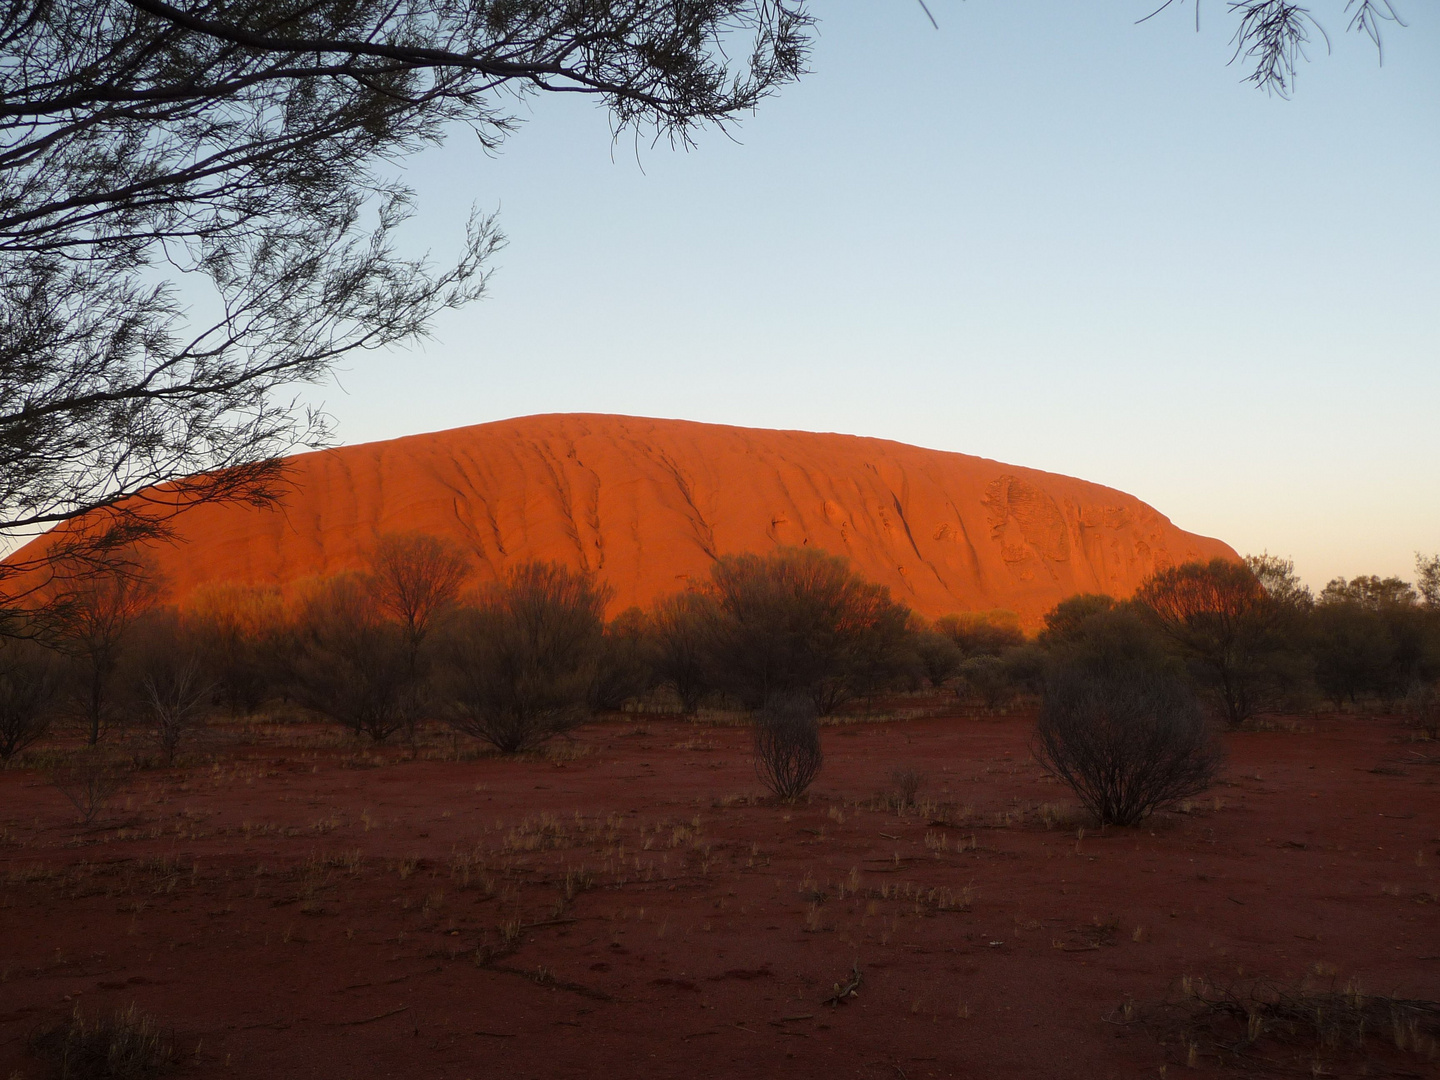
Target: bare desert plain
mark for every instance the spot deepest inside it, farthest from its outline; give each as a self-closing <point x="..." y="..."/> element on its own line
<point x="292" y="902"/>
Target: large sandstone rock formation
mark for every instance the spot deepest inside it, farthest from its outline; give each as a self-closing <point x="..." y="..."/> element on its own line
<point x="648" y="504"/>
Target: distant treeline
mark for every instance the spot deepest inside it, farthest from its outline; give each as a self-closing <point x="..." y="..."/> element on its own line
<point x="411" y="639"/>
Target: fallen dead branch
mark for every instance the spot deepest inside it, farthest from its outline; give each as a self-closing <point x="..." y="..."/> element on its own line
<point x="849" y="989"/>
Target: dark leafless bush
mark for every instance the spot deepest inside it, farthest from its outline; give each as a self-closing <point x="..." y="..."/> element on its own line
<point x="520" y="665"/>
<point x="1128" y="738"/>
<point x="787" y="745"/>
<point x="90" y="780"/>
<point x="29" y="683"/>
<point x="127" y="1045"/>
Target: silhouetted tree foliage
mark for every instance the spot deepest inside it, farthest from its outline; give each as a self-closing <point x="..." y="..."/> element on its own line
<point x="799" y="621"/>
<point x="1119" y="723"/>
<point x="680" y="647"/>
<point x="623" y="671"/>
<point x="787" y="745"/>
<point x="29" y="685"/>
<point x="1273" y="37"/>
<point x="1371" y="636"/>
<point x="521" y="662"/>
<point x="1236" y="637"/>
<point x="351" y="663"/>
<point x="245" y="147"/>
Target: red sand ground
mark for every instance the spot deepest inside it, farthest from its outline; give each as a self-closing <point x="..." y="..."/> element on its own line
<point x="648" y="504"/>
<point x="301" y="907"/>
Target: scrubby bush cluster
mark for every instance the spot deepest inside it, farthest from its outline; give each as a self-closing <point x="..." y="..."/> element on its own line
<point x="415" y="636"/>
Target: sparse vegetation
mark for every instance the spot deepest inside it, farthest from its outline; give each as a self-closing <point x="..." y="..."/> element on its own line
<point x="125" y="1045"/>
<point x="1289" y="1028"/>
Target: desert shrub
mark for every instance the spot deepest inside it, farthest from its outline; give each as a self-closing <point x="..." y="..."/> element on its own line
<point x="1120" y="725"/>
<point x="519" y="664"/>
<point x="90" y="780"/>
<point x="622" y="671"/>
<point x="1422" y="709"/>
<point x="126" y="1045"/>
<point x="937" y="655"/>
<point x="988" y="678"/>
<point x="241" y="635"/>
<point x="982" y="633"/>
<point x="679" y="647"/>
<point x="1063" y="621"/>
<point x="799" y="621"/>
<point x="352" y="663"/>
<point x="29" y="686"/>
<point x="787" y="745"/>
<point x="907" y="783"/>
<point x="1237" y="633"/>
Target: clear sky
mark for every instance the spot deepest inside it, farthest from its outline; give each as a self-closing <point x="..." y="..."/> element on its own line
<point x="1043" y="234"/>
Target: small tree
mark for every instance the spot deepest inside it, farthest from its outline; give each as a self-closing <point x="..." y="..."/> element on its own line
<point x="353" y="665"/>
<point x="520" y="663"/>
<point x="680" y="655"/>
<point x="93" y="611"/>
<point x="1220" y="617"/>
<point x="787" y="745"/>
<point x="240" y="633"/>
<point x="938" y="656"/>
<point x="799" y="621"/>
<point x="989" y="679"/>
<point x="414" y="578"/>
<point x="1128" y="738"/>
<point x="623" y="671"/>
<point x="29" y="684"/>
<point x="169" y="680"/>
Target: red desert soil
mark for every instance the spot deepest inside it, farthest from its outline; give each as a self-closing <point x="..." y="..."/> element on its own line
<point x="624" y="905"/>
<point x="648" y="504"/>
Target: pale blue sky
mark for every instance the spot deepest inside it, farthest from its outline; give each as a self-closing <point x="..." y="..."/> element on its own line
<point x="1042" y="234"/>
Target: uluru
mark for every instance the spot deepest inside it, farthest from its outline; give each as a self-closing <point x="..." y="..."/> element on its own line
<point x="648" y="504"/>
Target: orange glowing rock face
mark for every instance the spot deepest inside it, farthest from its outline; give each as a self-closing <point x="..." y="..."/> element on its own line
<point x="648" y="504"/>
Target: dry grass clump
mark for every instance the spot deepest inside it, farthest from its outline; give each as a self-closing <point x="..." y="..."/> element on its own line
<point x="126" y="1045"/>
<point x="1295" y="1029"/>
